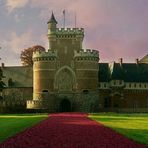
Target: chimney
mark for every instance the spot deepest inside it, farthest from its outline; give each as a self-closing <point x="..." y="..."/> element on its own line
<point x="2" y="65"/>
<point x="137" y="61"/>
<point x="120" y="61"/>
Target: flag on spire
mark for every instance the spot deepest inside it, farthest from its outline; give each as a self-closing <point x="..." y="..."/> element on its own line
<point x="64" y="17"/>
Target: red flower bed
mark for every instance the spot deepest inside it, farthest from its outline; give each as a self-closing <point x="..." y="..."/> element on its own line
<point x="69" y="130"/>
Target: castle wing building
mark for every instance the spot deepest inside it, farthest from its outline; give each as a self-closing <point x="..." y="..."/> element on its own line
<point x="67" y="78"/>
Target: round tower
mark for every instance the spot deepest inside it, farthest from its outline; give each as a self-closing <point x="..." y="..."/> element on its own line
<point x="86" y="67"/>
<point x="44" y="66"/>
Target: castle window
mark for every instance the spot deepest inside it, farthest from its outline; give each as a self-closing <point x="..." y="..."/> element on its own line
<point x="145" y="85"/>
<point x="85" y="91"/>
<point x="120" y="82"/>
<point x="45" y="90"/>
<point x="104" y="85"/>
<point x="139" y="85"/>
<point x="10" y="82"/>
<point x="135" y="85"/>
<point x="1" y="98"/>
<point x="114" y="82"/>
<point x="129" y="85"/>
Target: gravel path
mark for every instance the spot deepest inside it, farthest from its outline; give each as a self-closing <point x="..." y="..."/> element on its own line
<point x="69" y="130"/>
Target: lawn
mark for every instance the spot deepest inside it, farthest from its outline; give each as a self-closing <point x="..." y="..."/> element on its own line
<point x="133" y="126"/>
<point x="12" y="124"/>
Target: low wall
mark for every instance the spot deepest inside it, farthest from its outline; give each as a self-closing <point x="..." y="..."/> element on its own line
<point x="125" y="110"/>
<point x="12" y="107"/>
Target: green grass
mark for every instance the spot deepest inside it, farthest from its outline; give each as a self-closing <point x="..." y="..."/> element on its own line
<point x="133" y="126"/>
<point x="12" y="124"/>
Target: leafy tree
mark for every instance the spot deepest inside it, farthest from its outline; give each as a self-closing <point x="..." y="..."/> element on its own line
<point x="26" y="54"/>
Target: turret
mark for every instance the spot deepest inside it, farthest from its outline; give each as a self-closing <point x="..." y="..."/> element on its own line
<point x="52" y="31"/>
<point x="52" y="24"/>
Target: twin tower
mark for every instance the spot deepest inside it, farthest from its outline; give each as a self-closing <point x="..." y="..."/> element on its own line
<point x="65" y="78"/>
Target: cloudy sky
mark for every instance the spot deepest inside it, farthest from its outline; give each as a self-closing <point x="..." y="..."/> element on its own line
<point x="117" y="28"/>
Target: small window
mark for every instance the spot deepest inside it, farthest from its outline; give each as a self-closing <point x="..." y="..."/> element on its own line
<point x="85" y="91"/>
<point x="45" y="91"/>
<point x="1" y="98"/>
<point x="10" y="82"/>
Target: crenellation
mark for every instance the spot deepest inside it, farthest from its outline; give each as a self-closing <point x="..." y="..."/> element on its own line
<point x="88" y="54"/>
<point x="44" y="54"/>
<point x="88" y="50"/>
<point x="95" y="51"/>
<point x="79" y="31"/>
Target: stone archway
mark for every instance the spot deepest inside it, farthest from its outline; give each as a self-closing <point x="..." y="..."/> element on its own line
<point x="65" y="106"/>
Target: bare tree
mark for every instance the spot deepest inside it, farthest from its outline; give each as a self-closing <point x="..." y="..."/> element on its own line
<point x="26" y="54"/>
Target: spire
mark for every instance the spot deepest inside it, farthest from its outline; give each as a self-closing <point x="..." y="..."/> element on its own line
<point x="52" y="19"/>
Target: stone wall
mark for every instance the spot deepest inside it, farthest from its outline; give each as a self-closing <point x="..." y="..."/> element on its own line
<point x="131" y="101"/>
<point x="14" y="99"/>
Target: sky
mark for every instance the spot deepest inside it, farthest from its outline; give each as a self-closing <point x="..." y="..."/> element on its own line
<point x="116" y="28"/>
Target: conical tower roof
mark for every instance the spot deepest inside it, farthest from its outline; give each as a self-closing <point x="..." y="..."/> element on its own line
<point x="52" y="19"/>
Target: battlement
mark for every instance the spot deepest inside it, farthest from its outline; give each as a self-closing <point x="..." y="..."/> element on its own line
<point x="70" y="30"/>
<point x="61" y="31"/>
<point x="43" y="55"/>
<point x="89" y="54"/>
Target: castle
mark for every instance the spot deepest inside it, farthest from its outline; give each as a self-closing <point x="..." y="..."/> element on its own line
<point x="68" y="78"/>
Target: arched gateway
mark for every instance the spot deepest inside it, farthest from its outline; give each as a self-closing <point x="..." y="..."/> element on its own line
<point x="65" y="106"/>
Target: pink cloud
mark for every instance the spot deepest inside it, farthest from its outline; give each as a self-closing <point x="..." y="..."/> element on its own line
<point x="13" y="4"/>
<point x="116" y="28"/>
